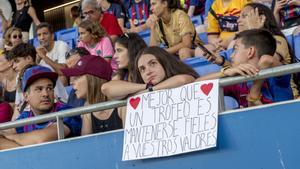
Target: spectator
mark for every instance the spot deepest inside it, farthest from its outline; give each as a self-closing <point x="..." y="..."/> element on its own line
<point x="12" y="37"/>
<point x="254" y="50"/>
<point x="156" y="69"/>
<point x="22" y="18"/>
<point x="287" y="13"/>
<point x="75" y="15"/>
<point x="222" y="22"/>
<point x="195" y="7"/>
<point x="93" y="38"/>
<point x="72" y="58"/>
<point x="38" y="84"/>
<point x="254" y="15"/>
<point x="21" y="56"/>
<point x="50" y="52"/>
<point x="5" y="109"/>
<point x="127" y="47"/>
<point x="91" y="72"/>
<point x="5" y="12"/>
<point x="114" y="9"/>
<point x="172" y="27"/>
<point x="8" y="79"/>
<point x="92" y="11"/>
<point x="138" y="11"/>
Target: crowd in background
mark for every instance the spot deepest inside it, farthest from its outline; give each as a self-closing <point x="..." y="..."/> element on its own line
<point x="112" y="61"/>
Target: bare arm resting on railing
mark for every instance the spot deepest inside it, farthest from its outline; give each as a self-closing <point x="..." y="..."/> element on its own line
<point x="34" y="137"/>
<point x="119" y="89"/>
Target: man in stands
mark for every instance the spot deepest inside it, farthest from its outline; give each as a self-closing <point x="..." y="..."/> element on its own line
<point x="92" y="11"/>
<point x="38" y="84"/>
<point x="253" y="51"/>
<point x="50" y="52"/>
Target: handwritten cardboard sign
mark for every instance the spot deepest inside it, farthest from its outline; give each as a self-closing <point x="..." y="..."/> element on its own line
<point x="172" y="121"/>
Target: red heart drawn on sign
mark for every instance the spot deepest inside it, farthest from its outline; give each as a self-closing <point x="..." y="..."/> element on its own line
<point x="206" y="88"/>
<point x="134" y="102"/>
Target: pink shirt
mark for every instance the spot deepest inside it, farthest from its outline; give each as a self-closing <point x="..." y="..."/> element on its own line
<point x="104" y="49"/>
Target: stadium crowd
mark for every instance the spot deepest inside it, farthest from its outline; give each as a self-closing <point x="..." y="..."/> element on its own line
<point x="112" y="61"/>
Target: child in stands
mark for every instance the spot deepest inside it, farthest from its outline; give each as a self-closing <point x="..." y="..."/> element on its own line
<point x="94" y="39"/>
<point x="253" y="51"/>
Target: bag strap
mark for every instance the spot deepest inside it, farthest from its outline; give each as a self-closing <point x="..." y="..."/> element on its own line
<point x="213" y="13"/>
<point x="163" y="32"/>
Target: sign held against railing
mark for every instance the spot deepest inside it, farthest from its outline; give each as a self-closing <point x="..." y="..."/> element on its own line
<point x="173" y="121"/>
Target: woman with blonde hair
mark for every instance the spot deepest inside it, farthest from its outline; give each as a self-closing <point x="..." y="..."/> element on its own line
<point x="95" y="40"/>
<point x="12" y="37"/>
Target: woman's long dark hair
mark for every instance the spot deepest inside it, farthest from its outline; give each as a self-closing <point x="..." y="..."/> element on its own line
<point x="133" y="43"/>
<point x="271" y="24"/>
<point x="171" y="64"/>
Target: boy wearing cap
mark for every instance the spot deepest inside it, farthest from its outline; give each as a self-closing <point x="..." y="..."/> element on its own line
<point x="38" y="84"/>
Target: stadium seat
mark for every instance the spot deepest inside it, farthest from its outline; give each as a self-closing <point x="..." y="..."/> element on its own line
<point x="146" y="36"/>
<point x="196" y="20"/>
<point x="34" y="42"/>
<point x="290" y="40"/>
<point x="202" y="66"/>
<point x="297" y="46"/>
<point x="68" y="35"/>
<point x="203" y="37"/>
<point x="230" y="103"/>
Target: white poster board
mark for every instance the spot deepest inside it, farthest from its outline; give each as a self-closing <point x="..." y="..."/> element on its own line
<point x="173" y="121"/>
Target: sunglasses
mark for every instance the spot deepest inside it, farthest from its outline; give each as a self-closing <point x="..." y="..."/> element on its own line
<point x="17" y="36"/>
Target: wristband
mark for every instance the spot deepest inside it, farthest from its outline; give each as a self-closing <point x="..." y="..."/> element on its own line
<point x="149" y="87"/>
<point x="223" y="61"/>
<point x="223" y="71"/>
<point x="253" y="100"/>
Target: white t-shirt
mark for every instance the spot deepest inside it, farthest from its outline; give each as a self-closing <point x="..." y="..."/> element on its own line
<point x="58" y="53"/>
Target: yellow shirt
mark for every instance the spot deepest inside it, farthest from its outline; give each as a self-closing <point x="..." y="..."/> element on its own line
<point x="179" y="25"/>
<point x="233" y="9"/>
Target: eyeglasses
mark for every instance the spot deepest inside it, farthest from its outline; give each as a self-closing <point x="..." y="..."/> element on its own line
<point x="17" y="36"/>
<point x="90" y="12"/>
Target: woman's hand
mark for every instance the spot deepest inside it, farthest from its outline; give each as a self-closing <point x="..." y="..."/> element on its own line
<point x="254" y="20"/>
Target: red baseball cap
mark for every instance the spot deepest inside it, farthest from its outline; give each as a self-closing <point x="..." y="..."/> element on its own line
<point x="90" y="64"/>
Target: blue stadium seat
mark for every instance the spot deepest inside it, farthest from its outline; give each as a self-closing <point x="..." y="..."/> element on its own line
<point x="297" y="46"/>
<point x="203" y="37"/>
<point x="146" y="36"/>
<point x="290" y="40"/>
<point x="202" y="66"/>
<point x="68" y="89"/>
<point x="196" y="20"/>
<point x="68" y="35"/>
<point x="34" y="42"/>
<point x="230" y="103"/>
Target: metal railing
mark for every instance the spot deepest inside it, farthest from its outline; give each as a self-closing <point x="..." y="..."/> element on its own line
<point x="58" y="116"/>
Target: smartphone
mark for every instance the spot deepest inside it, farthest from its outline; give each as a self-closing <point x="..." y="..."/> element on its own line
<point x="206" y="50"/>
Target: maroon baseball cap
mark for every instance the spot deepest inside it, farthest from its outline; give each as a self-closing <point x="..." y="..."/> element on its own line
<point x="90" y="64"/>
